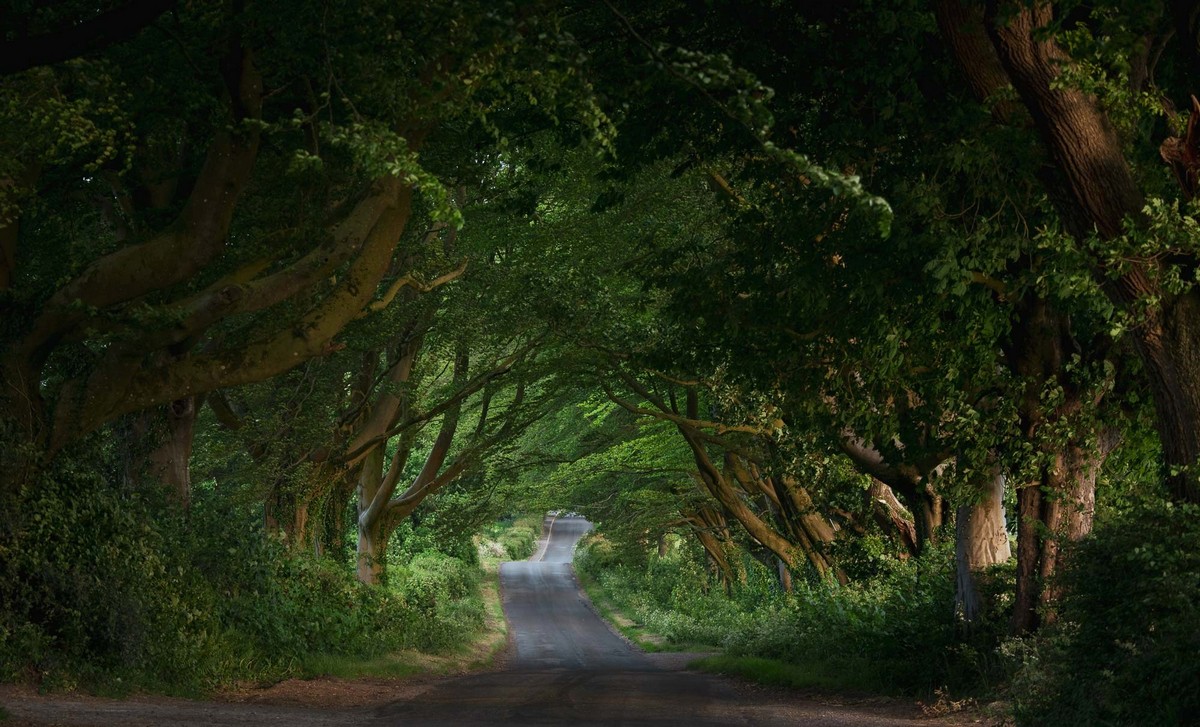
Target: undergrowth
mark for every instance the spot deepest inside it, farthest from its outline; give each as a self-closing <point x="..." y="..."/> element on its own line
<point x="108" y="590"/>
<point x="895" y="633"/>
<point x="511" y="538"/>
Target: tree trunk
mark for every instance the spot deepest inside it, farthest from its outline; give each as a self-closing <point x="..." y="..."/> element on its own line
<point x="157" y="448"/>
<point x="711" y="530"/>
<point x="1099" y="194"/>
<point x="371" y="541"/>
<point x="892" y="517"/>
<point x="785" y="575"/>
<point x="171" y="460"/>
<point x="909" y="480"/>
<point x="1057" y="510"/>
<point x="981" y="541"/>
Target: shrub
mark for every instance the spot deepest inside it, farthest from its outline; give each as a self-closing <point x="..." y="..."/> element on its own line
<point x="895" y="633"/>
<point x="519" y="542"/>
<point x="1127" y="649"/>
<point x="113" y="590"/>
<point x="441" y="591"/>
<point x="514" y="538"/>
<point x="95" y="589"/>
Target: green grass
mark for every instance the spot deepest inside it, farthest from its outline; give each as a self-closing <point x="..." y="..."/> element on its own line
<point x="848" y="676"/>
<point x="495" y="637"/>
<point x="348" y="667"/>
<point x="478" y="653"/>
<point x="634" y="631"/>
<point x="4" y="715"/>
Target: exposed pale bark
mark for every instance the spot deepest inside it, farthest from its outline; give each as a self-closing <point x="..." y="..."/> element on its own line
<point x="909" y="479"/>
<point x="892" y="516"/>
<point x="157" y="446"/>
<point x="807" y="533"/>
<point x="378" y="509"/>
<point x="371" y="531"/>
<point x="391" y="404"/>
<point x="476" y="384"/>
<point x="981" y="541"/>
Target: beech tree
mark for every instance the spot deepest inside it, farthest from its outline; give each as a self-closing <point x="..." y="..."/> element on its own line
<point x="226" y="245"/>
<point x="1114" y="202"/>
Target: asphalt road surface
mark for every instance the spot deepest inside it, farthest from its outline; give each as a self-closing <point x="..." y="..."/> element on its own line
<point x="566" y="665"/>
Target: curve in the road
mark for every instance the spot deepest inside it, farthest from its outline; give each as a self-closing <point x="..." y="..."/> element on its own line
<point x="566" y="666"/>
<point x="551" y="625"/>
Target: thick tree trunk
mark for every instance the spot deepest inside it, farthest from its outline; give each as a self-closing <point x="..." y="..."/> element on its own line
<point x="1055" y="511"/>
<point x="285" y="514"/>
<point x="377" y="508"/>
<point x="1100" y="195"/>
<point x="929" y="511"/>
<point x="157" y="448"/>
<point x="981" y="541"/>
<point x="170" y="462"/>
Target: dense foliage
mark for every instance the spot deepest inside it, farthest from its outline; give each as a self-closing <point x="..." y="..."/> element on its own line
<point x="116" y="590"/>
<point x="892" y="634"/>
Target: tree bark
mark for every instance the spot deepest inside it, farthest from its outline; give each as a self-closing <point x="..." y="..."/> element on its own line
<point x="1099" y="195"/>
<point x="893" y="517"/>
<point x="909" y="480"/>
<point x="371" y="541"/>
<point x="171" y="461"/>
<point x="1057" y="510"/>
<point x="157" y="447"/>
<point x="377" y="507"/>
<point x="120" y="384"/>
<point x="981" y="541"/>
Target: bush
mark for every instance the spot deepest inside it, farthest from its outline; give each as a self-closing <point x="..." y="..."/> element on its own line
<point x="896" y="633"/>
<point x="1127" y="649"/>
<point x="440" y="592"/>
<point x="515" y="537"/>
<point x="519" y="542"/>
<point x="114" y="590"/>
<point x="94" y="589"/>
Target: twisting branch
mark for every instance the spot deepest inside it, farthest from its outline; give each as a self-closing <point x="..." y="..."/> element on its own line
<point x="412" y="281"/>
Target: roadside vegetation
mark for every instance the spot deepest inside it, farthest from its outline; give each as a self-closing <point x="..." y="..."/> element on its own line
<point x="891" y="634"/>
<point x="187" y="606"/>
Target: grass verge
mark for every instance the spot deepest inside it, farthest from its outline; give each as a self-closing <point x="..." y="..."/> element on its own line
<point x="845" y="677"/>
<point x="632" y="630"/>
<point x="480" y="653"/>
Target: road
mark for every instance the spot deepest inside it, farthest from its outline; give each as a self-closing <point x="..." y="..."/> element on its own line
<point x="565" y="667"/>
<point x="568" y="668"/>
